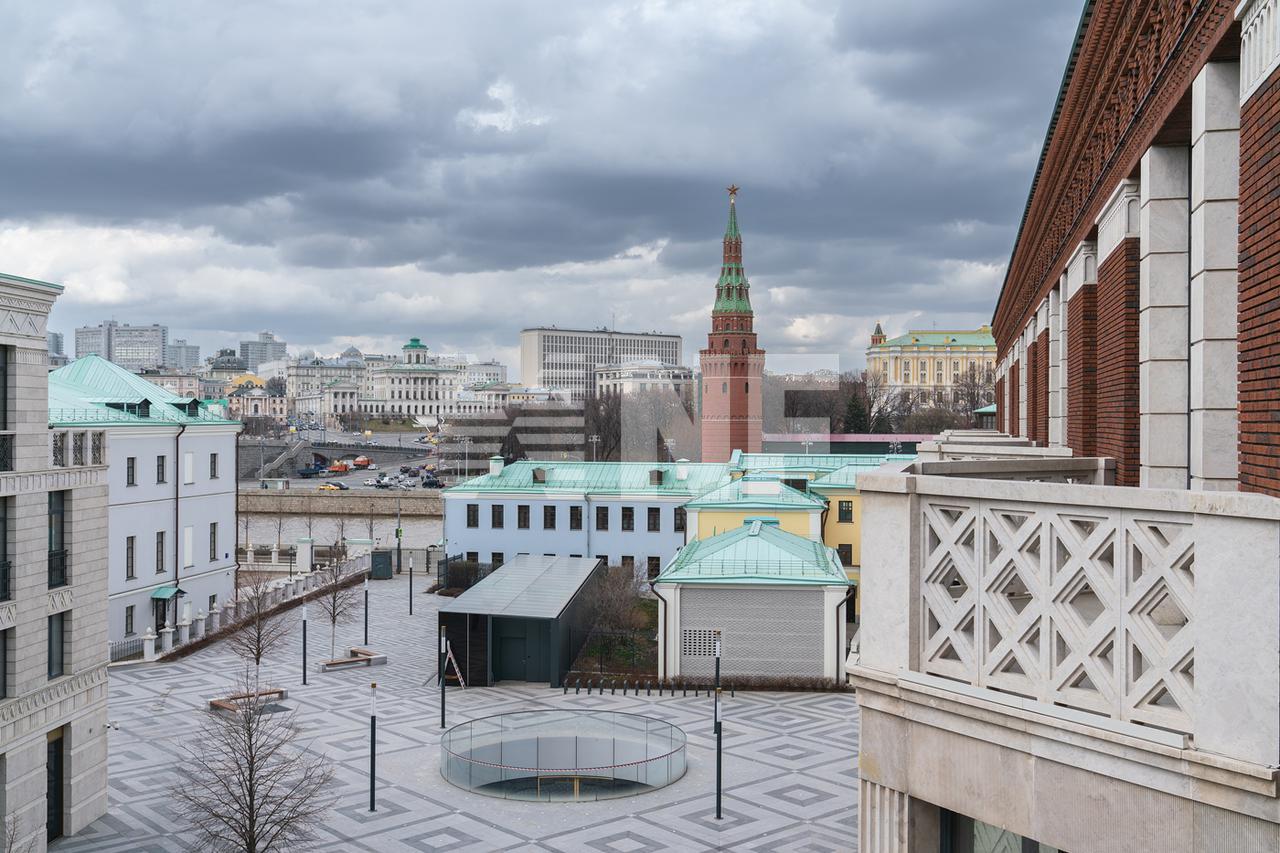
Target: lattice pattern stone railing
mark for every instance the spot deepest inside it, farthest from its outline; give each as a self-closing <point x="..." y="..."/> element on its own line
<point x="1078" y="606"/>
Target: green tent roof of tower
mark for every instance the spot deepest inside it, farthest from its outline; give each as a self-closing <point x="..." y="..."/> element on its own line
<point x="732" y="289"/>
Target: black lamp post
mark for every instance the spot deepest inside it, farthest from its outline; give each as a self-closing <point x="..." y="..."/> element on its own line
<point x="304" y="643"/>
<point x="444" y="652"/>
<point x="718" y="734"/>
<point x="366" y="610"/>
<point x="373" y="745"/>
<point x="410" y="584"/>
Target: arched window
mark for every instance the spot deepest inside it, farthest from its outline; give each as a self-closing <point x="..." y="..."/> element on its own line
<point x="746" y="386"/>
<point x="724" y="387"/>
<point x="726" y="343"/>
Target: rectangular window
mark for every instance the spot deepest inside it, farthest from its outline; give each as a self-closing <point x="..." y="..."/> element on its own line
<point x="188" y="467"/>
<point x="131" y="471"/>
<point x="522" y="516"/>
<point x="604" y="558"/>
<point x="213" y="466"/>
<point x="160" y="469"/>
<point x="575" y="518"/>
<point x="57" y="539"/>
<point x="473" y="515"/>
<point x="213" y="542"/>
<point x="495" y="516"/>
<point x="130" y="549"/>
<point x="548" y="518"/>
<point x="800" y="484"/>
<point x="57" y="644"/>
<point x="602" y="518"/>
<point x="497" y="558"/>
<point x="159" y="552"/>
<point x="628" y="518"/>
<point x="846" y="554"/>
<point x="188" y="547"/>
<point x="846" y="512"/>
<point x="6" y="640"/>
<point x="655" y="519"/>
<point x="128" y="621"/>
<point x="628" y="562"/>
<point x="655" y="567"/>
<point x="473" y="556"/>
<point x="680" y="519"/>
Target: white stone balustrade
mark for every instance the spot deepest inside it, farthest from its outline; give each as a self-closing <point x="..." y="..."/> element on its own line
<point x="148" y="645"/>
<point x="184" y="632"/>
<point x="1146" y="613"/>
<point x="166" y="639"/>
<point x="198" y="626"/>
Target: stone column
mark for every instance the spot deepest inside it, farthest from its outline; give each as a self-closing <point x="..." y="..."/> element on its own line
<point x="228" y="614"/>
<point x="304" y="554"/>
<point x="148" y="645"/>
<point x="198" y="626"/>
<point x="211" y="621"/>
<point x="1079" y="350"/>
<point x="166" y="639"/>
<point x="1163" y="318"/>
<point x="1215" y="185"/>
<point x="184" y="632"/>
<point x="1021" y="390"/>
<point x="1116" y="411"/>
<point x="890" y="821"/>
<point x="1057" y="423"/>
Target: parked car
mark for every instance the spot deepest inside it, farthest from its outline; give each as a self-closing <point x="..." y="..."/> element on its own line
<point x="432" y="483"/>
<point x="328" y="487"/>
<point x="371" y="482"/>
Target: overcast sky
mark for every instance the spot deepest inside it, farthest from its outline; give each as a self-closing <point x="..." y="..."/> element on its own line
<point x="359" y="172"/>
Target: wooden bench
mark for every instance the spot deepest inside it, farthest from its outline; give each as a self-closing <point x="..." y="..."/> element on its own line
<point x="230" y="703"/>
<point x="357" y="657"/>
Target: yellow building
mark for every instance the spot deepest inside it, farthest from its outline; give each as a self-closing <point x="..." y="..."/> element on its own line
<point x="932" y="364"/>
<point x="754" y="496"/>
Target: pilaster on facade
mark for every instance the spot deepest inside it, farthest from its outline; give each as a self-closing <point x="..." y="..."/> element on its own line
<point x="1116" y="417"/>
<point x="1024" y="374"/>
<point x="1079" y="346"/>
<point x="1057" y="421"/>
<point x="1215" y="169"/>
<point x="1164" y="318"/>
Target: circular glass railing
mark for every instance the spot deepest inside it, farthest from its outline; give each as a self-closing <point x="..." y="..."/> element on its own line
<point x="562" y="756"/>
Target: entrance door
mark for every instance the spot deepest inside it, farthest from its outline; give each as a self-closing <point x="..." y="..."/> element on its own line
<point x="520" y="647"/>
<point x="54" y="772"/>
<point x="511" y="659"/>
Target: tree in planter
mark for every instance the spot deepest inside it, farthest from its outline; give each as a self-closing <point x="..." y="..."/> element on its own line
<point x="261" y="632"/>
<point x="337" y="602"/>
<point x="250" y="788"/>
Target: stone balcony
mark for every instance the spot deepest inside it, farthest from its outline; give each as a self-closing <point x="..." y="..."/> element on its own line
<point x="1020" y="616"/>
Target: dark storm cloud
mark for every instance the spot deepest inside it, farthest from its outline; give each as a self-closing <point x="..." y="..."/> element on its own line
<point x="369" y="170"/>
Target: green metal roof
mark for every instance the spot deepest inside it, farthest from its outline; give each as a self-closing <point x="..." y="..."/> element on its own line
<point x="34" y="281"/>
<point x="782" y="463"/>
<point x="942" y="337"/>
<point x="89" y="390"/>
<point x="847" y="477"/>
<point x="989" y="409"/>
<point x="733" y="291"/>
<point x="164" y="592"/>
<point x="735" y="495"/>
<point x="760" y="554"/>
<point x="414" y="343"/>
<point x="599" y="477"/>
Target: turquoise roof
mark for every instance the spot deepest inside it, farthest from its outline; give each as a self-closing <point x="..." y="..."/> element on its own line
<point x="94" y="390"/>
<point x="986" y="410"/>
<point x="758" y="553"/>
<point x="599" y="477"/>
<point x="733" y="495"/>
<point x="800" y="462"/>
<point x="847" y="477"/>
<point x="942" y="337"/>
<point x="34" y="281"/>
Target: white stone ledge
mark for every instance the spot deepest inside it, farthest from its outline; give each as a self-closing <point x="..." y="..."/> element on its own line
<point x="1097" y="498"/>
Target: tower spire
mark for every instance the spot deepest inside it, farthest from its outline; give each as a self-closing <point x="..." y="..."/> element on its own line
<point x="732" y="289"/>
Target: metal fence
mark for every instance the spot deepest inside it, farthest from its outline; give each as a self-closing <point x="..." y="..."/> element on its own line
<point x="457" y="573"/>
<point x="126" y="649"/>
<point x="615" y="652"/>
<point x="57" y="568"/>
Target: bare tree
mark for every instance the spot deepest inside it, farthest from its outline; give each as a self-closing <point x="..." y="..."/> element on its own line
<point x="337" y="602"/>
<point x="11" y="833"/>
<point x="279" y="530"/>
<point x="339" y="539"/>
<point x="262" y="631"/>
<point x="617" y="599"/>
<point x="251" y="788"/>
<point x="973" y="389"/>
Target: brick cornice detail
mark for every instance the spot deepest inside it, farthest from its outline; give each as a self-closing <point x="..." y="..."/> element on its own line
<point x="1136" y="60"/>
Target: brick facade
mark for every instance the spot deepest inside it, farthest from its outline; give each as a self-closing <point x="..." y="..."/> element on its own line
<point x="1082" y="371"/>
<point x="1259" y="309"/>
<point x="1117" y="361"/>
<point x="1014" y="410"/>
<point x="1039" y="389"/>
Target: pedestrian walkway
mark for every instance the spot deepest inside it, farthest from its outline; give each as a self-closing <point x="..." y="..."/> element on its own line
<point x="790" y="760"/>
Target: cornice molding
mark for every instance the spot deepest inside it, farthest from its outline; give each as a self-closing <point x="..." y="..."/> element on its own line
<point x="1259" y="43"/>
<point x="29" y="712"/>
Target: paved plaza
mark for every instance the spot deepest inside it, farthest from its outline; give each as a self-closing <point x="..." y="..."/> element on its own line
<point x="790" y="758"/>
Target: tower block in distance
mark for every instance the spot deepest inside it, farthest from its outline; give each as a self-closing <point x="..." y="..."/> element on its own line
<point x="732" y="363"/>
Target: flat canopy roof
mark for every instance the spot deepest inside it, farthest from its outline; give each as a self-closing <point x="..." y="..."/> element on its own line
<point x="529" y="585"/>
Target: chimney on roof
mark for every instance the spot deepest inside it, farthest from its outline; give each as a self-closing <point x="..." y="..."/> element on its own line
<point x="682" y="469"/>
<point x="496" y="464"/>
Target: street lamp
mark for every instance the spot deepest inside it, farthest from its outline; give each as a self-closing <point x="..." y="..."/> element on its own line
<point x="807" y="445"/>
<point x="410" y="584"/>
<point x="466" y="456"/>
<point x="595" y="440"/>
<point x="373" y="744"/>
<point x="718" y="733"/>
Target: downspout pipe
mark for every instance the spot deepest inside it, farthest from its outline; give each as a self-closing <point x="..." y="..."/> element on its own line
<point x="663" y="605"/>
<point x="177" y="529"/>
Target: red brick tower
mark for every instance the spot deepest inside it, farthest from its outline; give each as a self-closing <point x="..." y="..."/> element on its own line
<point x="732" y="364"/>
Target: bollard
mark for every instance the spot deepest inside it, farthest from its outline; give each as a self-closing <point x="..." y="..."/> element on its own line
<point x="648" y="689"/>
<point x="613" y="687"/>
<point x="577" y="686"/>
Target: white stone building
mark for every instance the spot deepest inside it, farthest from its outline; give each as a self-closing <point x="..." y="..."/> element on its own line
<point x="53" y="501"/>
<point x="642" y="375"/>
<point x="171" y="494"/>
<point x="566" y="359"/>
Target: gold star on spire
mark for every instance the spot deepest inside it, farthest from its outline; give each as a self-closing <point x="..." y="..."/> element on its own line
<point x="733" y="191"/>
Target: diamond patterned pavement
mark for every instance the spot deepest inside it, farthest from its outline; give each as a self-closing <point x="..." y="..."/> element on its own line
<point x="790" y="759"/>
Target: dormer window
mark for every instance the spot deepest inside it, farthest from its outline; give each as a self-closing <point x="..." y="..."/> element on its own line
<point x="539" y="475"/>
<point x="655" y="477"/>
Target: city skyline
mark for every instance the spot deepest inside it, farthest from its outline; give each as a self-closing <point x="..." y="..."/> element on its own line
<point x="519" y="196"/>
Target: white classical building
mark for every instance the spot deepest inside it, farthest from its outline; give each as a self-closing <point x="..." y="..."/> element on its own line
<point x="171" y="495"/>
<point x="642" y="375"/>
<point x="53" y="592"/>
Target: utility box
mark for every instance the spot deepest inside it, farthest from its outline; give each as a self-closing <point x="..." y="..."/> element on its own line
<point x="380" y="568"/>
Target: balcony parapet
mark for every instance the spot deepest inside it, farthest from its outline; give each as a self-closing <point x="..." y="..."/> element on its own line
<point x="1155" y="610"/>
<point x="1259" y="43"/>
